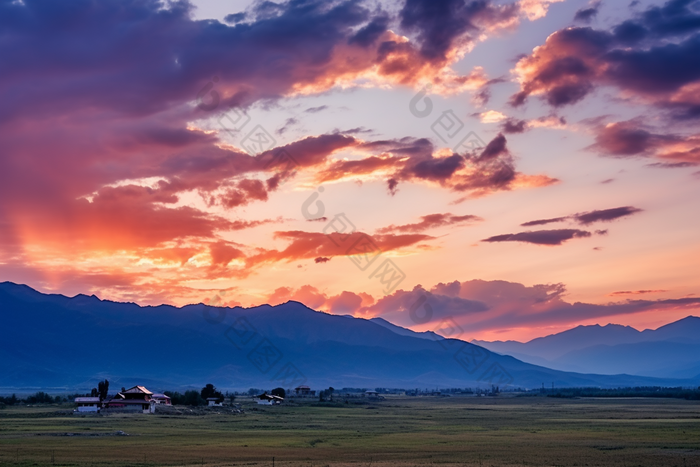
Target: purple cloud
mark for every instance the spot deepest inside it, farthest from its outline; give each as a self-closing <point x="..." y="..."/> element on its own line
<point x="541" y="237"/>
<point x="543" y="221"/>
<point x="653" y="56"/>
<point x="586" y="218"/>
<point x="605" y="215"/>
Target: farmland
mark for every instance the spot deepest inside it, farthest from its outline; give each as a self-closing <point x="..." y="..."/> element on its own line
<point x="403" y="431"/>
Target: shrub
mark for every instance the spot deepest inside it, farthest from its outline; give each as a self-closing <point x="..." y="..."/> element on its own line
<point x="188" y="398"/>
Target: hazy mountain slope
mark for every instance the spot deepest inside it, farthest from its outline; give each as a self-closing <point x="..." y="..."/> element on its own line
<point x="657" y="358"/>
<point x="555" y="345"/>
<point x="670" y="351"/>
<point x="52" y="341"/>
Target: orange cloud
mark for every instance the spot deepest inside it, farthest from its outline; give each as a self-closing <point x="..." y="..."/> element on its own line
<point x="431" y="221"/>
<point x="311" y="245"/>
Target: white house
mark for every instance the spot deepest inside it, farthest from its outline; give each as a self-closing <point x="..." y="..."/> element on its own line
<point x="161" y="399"/>
<point x="267" y="399"/>
<point x="88" y="404"/>
<point x="214" y="402"/>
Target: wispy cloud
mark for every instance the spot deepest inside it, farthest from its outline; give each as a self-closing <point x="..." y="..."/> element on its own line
<point x="541" y="237"/>
<point x="431" y="221"/>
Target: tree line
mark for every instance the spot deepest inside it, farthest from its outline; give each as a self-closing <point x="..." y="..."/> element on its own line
<point x="643" y="391"/>
<point x="193" y="397"/>
<point x="36" y="398"/>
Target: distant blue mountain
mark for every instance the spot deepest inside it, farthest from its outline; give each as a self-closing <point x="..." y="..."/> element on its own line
<point x="671" y="351"/>
<point x="53" y="341"/>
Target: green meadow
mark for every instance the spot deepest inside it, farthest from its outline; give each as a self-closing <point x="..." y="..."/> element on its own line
<point x="401" y="431"/>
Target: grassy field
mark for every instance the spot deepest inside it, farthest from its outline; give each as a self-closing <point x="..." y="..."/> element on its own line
<point x="403" y="431"/>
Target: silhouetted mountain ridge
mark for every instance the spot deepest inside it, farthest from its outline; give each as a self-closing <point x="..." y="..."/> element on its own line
<point x="51" y="340"/>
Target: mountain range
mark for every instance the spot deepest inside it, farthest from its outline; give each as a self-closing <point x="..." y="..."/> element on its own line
<point x="52" y="341"/>
<point x="671" y="351"/>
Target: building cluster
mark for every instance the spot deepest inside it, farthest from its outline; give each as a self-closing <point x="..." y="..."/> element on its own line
<point x="137" y="399"/>
<point x="305" y="392"/>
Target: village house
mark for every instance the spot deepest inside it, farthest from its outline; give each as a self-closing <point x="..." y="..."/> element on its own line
<point x="136" y="399"/>
<point x="88" y="404"/>
<point x="267" y="399"/>
<point x="161" y="399"/>
<point x="304" y="391"/>
<point x="214" y="402"/>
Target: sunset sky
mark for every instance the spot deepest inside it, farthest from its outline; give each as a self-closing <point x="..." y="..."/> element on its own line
<point x="527" y="166"/>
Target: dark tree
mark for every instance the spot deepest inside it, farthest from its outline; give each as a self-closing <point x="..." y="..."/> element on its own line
<point x="188" y="398"/>
<point x="94" y="392"/>
<point x="278" y="392"/>
<point x="40" y="398"/>
<point x="210" y="391"/>
<point x="102" y="389"/>
<point x="175" y="397"/>
<point x="326" y="394"/>
<point x="9" y="400"/>
<point x="193" y="398"/>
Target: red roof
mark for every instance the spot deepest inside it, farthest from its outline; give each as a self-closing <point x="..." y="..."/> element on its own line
<point x="138" y="390"/>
